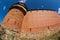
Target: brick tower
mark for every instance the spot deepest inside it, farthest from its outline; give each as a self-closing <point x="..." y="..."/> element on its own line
<point x="13" y="19"/>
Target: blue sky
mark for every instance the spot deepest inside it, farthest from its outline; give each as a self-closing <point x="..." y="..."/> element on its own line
<point x="31" y="4"/>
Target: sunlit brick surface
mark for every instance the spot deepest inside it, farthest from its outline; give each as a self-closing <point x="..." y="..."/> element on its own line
<point x="13" y="19"/>
<point x="41" y="23"/>
<point x="40" y="19"/>
<point x="35" y="24"/>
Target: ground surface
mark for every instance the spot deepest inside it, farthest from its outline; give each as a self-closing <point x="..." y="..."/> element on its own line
<point x="6" y="34"/>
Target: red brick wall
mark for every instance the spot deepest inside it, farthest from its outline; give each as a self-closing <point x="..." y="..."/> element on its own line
<point x="34" y="24"/>
<point x="40" y="21"/>
<point x="37" y="19"/>
<point x="13" y="19"/>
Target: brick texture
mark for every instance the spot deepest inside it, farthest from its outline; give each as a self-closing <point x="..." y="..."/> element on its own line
<point x="13" y="19"/>
<point x="41" y="23"/>
<point x="35" y="24"/>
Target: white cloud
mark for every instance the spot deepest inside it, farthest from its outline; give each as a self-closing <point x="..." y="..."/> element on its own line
<point x="23" y="1"/>
<point x="59" y="11"/>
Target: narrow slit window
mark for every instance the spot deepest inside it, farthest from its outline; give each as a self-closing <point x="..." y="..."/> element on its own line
<point x="30" y="30"/>
<point x="15" y="23"/>
<point x="8" y="20"/>
<point x="48" y="27"/>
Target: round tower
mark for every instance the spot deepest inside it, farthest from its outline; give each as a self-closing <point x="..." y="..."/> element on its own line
<point x="15" y="16"/>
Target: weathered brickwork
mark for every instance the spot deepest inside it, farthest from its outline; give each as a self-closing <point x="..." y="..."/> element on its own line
<point x="41" y="23"/>
<point x="13" y="19"/>
<point x="35" y="24"/>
